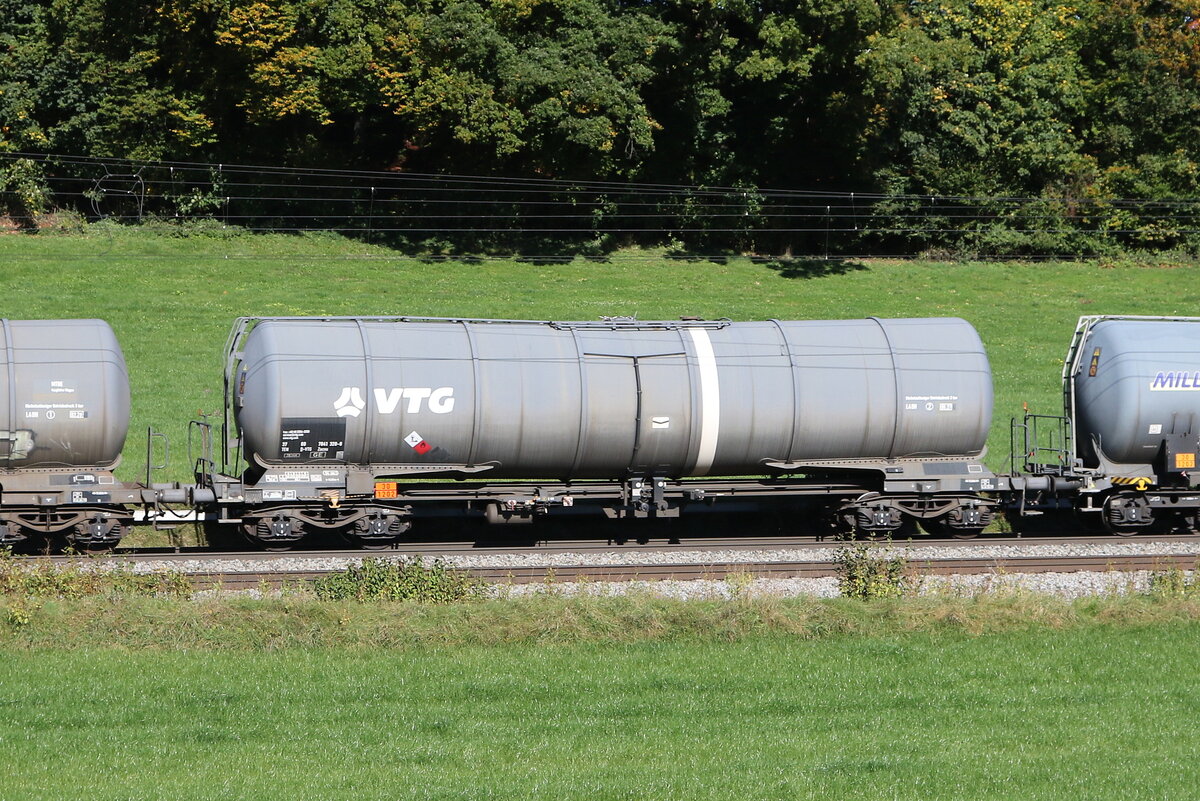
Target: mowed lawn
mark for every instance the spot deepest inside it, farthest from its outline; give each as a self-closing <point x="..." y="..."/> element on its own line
<point x="172" y="301"/>
<point x="1088" y="713"/>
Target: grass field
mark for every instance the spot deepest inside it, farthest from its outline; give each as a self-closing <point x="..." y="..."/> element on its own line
<point x="1092" y="713"/>
<point x="172" y="300"/>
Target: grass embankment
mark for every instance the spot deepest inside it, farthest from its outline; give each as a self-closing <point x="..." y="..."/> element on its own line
<point x="114" y="688"/>
<point x="1093" y="712"/>
<point x="172" y="300"/>
<point x="302" y="622"/>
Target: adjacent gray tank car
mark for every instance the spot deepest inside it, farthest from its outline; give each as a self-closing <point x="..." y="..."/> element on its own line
<point x="1136" y="387"/>
<point x="336" y="416"/>
<point x="64" y="394"/>
<point x="64" y="414"/>
<point x="1131" y="390"/>
<point x="582" y="400"/>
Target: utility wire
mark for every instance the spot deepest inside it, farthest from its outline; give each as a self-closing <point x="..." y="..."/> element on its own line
<point x="498" y="212"/>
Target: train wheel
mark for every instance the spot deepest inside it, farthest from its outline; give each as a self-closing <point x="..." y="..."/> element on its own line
<point x="376" y="532"/>
<point x="844" y="525"/>
<point x="23" y="540"/>
<point x="905" y="531"/>
<point x="11" y="534"/>
<point x="1127" y="515"/>
<point x="873" y="520"/>
<point x="98" y="535"/>
<point x="277" y="534"/>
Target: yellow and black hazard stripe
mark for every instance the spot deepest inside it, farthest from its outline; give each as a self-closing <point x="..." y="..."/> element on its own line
<point x="1139" y="483"/>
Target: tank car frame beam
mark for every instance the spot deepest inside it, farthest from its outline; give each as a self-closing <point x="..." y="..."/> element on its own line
<point x="88" y="506"/>
<point x="857" y="506"/>
<point x="87" y="526"/>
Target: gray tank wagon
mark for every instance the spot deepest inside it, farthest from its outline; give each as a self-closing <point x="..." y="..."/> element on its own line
<point x="1127" y="443"/>
<point x="1136" y="389"/>
<point x="64" y="414"/>
<point x="341" y="421"/>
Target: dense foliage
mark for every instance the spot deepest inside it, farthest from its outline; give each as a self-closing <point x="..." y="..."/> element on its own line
<point x="399" y="580"/>
<point x="1096" y="100"/>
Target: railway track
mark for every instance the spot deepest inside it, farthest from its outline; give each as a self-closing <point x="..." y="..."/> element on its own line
<point x="690" y="571"/>
<point x="659" y="545"/>
<point x="713" y="558"/>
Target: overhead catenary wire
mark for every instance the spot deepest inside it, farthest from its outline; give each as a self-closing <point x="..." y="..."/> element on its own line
<point x="480" y="213"/>
<point x="559" y="185"/>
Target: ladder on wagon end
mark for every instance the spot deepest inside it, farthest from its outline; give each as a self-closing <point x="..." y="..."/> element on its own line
<point x="1046" y="445"/>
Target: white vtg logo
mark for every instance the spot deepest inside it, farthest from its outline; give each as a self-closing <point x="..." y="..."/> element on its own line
<point x="439" y="401"/>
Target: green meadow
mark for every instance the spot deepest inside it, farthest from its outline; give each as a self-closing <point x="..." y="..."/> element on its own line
<point x="1089" y="713"/>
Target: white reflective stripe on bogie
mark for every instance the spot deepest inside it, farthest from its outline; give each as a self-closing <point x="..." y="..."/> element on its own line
<point x="710" y="401"/>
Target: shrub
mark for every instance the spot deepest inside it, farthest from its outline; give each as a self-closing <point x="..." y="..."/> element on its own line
<point x="863" y="574"/>
<point x="1172" y="583"/>
<point x="19" y="616"/>
<point x="399" y="580"/>
<point x="40" y="579"/>
<point x="23" y="191"/>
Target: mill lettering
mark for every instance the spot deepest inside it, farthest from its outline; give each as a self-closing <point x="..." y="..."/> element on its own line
<point x="1175" y="380"/>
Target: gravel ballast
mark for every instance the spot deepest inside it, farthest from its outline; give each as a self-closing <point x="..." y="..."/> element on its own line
<point x="1066" y="584"/>
<point x="315" y="561"/>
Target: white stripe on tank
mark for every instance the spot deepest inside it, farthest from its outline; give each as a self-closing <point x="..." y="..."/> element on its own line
<point x="710" y="401"/>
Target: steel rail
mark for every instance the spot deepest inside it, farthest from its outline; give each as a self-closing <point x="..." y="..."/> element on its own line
<point x="657" y="544"/>
<point x="723" y="570"/>
<point x="513" y="545"/>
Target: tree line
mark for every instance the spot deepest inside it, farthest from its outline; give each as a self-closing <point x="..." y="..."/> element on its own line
<point x="1076" y="103"/>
